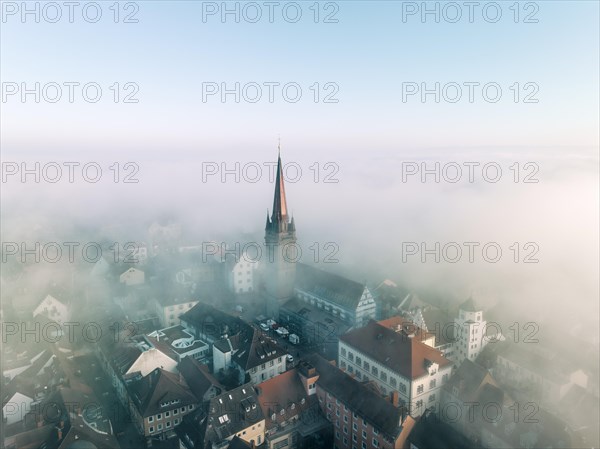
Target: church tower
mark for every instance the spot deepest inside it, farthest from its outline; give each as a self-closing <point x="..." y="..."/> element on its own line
<point x="281" y="250"/>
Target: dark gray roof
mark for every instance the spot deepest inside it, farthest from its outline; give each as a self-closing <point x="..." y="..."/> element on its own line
<point x="197" y="377"/>
<point x="220" y="418"/>
<point x="158" y="387"/>
<point x="213" y="322"/>
<point x="358" y="397"/>
<point x="256" y="349"/>
<point x="332" y="287"/>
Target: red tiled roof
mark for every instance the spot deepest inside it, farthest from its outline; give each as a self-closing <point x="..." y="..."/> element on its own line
<point x="279" y="393"/>
<point x="400" y="353"/>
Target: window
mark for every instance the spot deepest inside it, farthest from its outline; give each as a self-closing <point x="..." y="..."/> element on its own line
<point x="444" y="378"/>
<point x="159" y="416"/>
<point x="345" y="418"/>
<point x="393" y="382"/>
<point x="159" y="428"/>
<point x="351" y="357"/>
<point x="367" y="366"/>
<point x="343" y="352"/>
<point x="432" y="398"/>
<point x="375" y="371"/>
<point x="403" y="388"/>
<point x="432" y="383"/>
<point x="190" y="407"/>
<point x="354" y="426"/>
<point x="364" y="434"/>
<point x="358" y="361"/>
<point x="383" y="376"/>
<point x="167" y="414"/>
<point x="168" y="424"/>
<point x="151" y="419"/>
<point x="354" y="438"/>
<point x="375" y="431"/>
<point x="420" y="389"/>
<point x="346" y="429"/>
<point x="375" y="443"/>
<point x="151" y="429"/>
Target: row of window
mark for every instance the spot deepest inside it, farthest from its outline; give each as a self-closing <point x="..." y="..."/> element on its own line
<point x="393" y="382"/>
<point x="375" y="441"/>
<point x="159" y="427"/>
<point x="167" y="414"/>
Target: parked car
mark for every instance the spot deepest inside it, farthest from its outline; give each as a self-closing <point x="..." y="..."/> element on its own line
<point x="290" y="358"/>
<point x="271" y="322"/>
<point x="264" y="327"/>
<point x="282" y="331"/>
<point x="294" y="339"/>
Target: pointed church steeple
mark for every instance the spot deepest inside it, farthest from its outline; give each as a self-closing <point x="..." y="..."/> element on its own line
<point x="279" y="202"/>
<point x="280" y="234"/>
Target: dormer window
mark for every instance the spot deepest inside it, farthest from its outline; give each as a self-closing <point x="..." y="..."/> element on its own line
<point x="223" y="419"/>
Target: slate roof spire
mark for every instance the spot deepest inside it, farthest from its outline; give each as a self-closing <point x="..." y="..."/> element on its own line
<point x="279" y="201"/>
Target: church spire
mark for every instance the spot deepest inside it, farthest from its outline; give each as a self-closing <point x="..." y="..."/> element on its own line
<point x="279" y="202"/>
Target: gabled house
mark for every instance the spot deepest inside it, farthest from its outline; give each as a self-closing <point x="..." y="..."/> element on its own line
<point x="132" y="276"/>
<point x="255" y="356"/>
<point x="53" y="309"/>
<point x="159" y="401"/>
<point x="291" y="413"/>
<point x="335" y="295"/>
<point x="235" y="413"/>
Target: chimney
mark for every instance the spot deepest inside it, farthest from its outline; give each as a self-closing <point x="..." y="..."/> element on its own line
<point x="395" y="398"/>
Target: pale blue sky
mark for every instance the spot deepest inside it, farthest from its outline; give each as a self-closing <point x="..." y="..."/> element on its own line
<point x="369" y="53"/>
